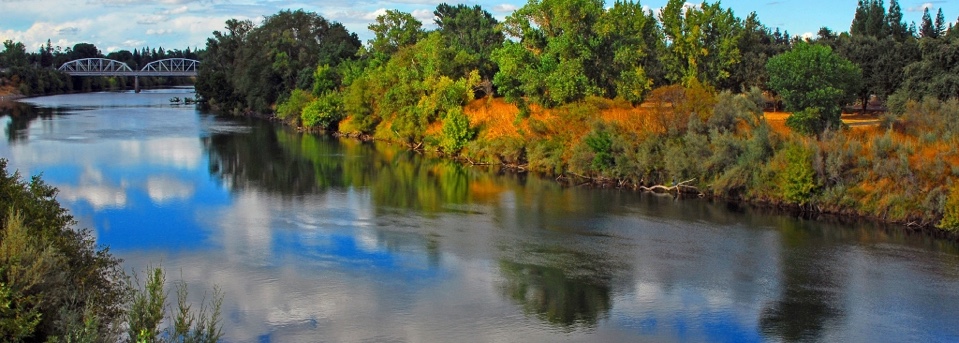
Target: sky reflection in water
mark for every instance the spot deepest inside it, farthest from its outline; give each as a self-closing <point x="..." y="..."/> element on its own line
<point x="317" y="239"/>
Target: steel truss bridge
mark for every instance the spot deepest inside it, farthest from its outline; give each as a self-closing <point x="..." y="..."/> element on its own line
<point x="181" y="67"/>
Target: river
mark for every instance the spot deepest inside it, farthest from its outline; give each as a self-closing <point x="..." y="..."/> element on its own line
<point x="314" y="238"/>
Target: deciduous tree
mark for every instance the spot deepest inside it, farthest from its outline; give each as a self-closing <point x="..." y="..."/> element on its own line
<point x="702" y="42"/>
<point x="474" y="33"/>
<point x="812" y="77"/>
<point x="393" y="30"/>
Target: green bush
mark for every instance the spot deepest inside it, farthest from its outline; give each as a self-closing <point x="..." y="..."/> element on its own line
<point x="950" y="213"/>
<point x="546" y="156"/>
<point x="600" y="143"/>
<point x="291" y="107"/>
<point x="808" y="121"/>
<point x="55" y="286"/>
<point x="148" y="311"/>
<point x="797" y="181"/>
<point x="325" y="79"/>
<point x="89" y="284"/>
<point x="323" y="112"/>
<point x="456" y="131"/>
<point x="28" y="267"/>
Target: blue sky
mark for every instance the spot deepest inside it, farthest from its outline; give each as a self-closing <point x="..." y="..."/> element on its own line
<point x="128" y="24"/>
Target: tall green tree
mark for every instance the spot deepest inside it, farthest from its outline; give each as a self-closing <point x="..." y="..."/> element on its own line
<point x="926" y="28"/>
<point x="881" y="61"/>
<point x="216" y="81"/>
<point x="14" y="54"/>
<point x="702" y="42"/>
<point x="897" y="28"/>
<point x="549" y="63"/>
<point x="756" y="46"/>
<point x="394" y="30"/>
<point x="936" y="73"/>
<point x="815" y="81"/>
<point x="263" y="63"/>
<point x="626" y="49"/>
<point x="474" y="33"/>
<point x="84" y="50"/>
<point x="870" y="19"/>
<point x="940" y="26"/>
<point x="953" y="31"/>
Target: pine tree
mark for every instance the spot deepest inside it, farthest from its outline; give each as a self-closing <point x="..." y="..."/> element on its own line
<point x="859" y="20"/>
<point x="926" y="29"/>
<point x="870" y="20"/>
<point x="897" y="28"/>
<point x="876" y="21"/>
<point x="940" y="24"/>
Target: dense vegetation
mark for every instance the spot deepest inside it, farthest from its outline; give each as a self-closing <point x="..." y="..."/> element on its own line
<point x="57" y="286"/>
<point x="613" y="93"/>
<point x="34" y="73"/>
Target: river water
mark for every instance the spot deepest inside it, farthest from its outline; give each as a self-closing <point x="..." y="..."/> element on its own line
<point x="314" y="239"/>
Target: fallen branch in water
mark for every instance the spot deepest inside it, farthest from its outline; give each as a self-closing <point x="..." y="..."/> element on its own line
<point x="678" y="188"/>
<point x="471" y="162"/>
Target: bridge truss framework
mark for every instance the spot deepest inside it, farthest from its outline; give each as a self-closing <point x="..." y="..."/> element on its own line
<point x="182" y="67"/>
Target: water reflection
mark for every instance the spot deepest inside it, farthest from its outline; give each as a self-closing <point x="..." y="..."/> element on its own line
<point x="809" y="294"/>
<point x="317" y="238"/>
<point x="554" y="295"/>
<point x="280" y="160"/>
<point x="18" y="117"/>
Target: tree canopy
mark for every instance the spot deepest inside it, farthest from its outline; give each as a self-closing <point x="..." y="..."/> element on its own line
<point x="702" y="42"/>
<point x="265" y="62"/>
<point x="811" y="77"/>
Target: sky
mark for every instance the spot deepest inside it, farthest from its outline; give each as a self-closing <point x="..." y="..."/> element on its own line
<point x="114" y="25"/>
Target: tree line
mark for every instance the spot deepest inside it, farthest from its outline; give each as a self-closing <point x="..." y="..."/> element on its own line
<point x="579" y="89"/>
<point x="551" y="53"/>
<point x="34" y="73"/>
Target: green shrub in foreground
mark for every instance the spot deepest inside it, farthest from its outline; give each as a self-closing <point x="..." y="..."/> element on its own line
<point x="56" y="286"/>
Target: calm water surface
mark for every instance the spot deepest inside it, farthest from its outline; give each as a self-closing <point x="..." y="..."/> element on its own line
<point x="320" y="239"/>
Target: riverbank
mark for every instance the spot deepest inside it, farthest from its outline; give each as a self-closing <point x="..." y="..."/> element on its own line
<point x="730" y="153"/>
<point x="9" y="93"/>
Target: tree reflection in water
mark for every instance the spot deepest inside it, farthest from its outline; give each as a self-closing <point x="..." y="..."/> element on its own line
<point x="280" y="160"/>
<point x="562" y="287"/>
<point x="810" y="298"/>
<point x="21" y="115"/>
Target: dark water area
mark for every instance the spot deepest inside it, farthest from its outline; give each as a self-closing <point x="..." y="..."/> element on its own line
<point x="314" y="238"/>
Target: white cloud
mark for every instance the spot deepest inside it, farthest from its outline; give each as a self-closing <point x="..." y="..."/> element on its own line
<point x="129" y="43"/>
<point x="807" y="35"/>
<point x="175" y="11"/>
<point x="425" y="16"/>
<point x="151" y="19"/>
<point x="505" y="8"/>
<point x="920" y="8"/>
<point x="177" y="152"/>
<point x="154" y="32"/>
<point x="139" y="2"/>
<point x="98" y="196"/>
<point x="164" y="189"/>
<point x="38" y="33"/>
<point x="371" y="16"/>
<point x="68" y="30"/>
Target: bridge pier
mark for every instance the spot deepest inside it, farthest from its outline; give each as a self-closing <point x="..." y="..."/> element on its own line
<point x="136" y="84"/>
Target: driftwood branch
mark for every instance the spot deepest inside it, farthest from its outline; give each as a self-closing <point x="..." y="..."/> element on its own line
<point x="473" y="163"/>
<point x="678" y="188"/>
